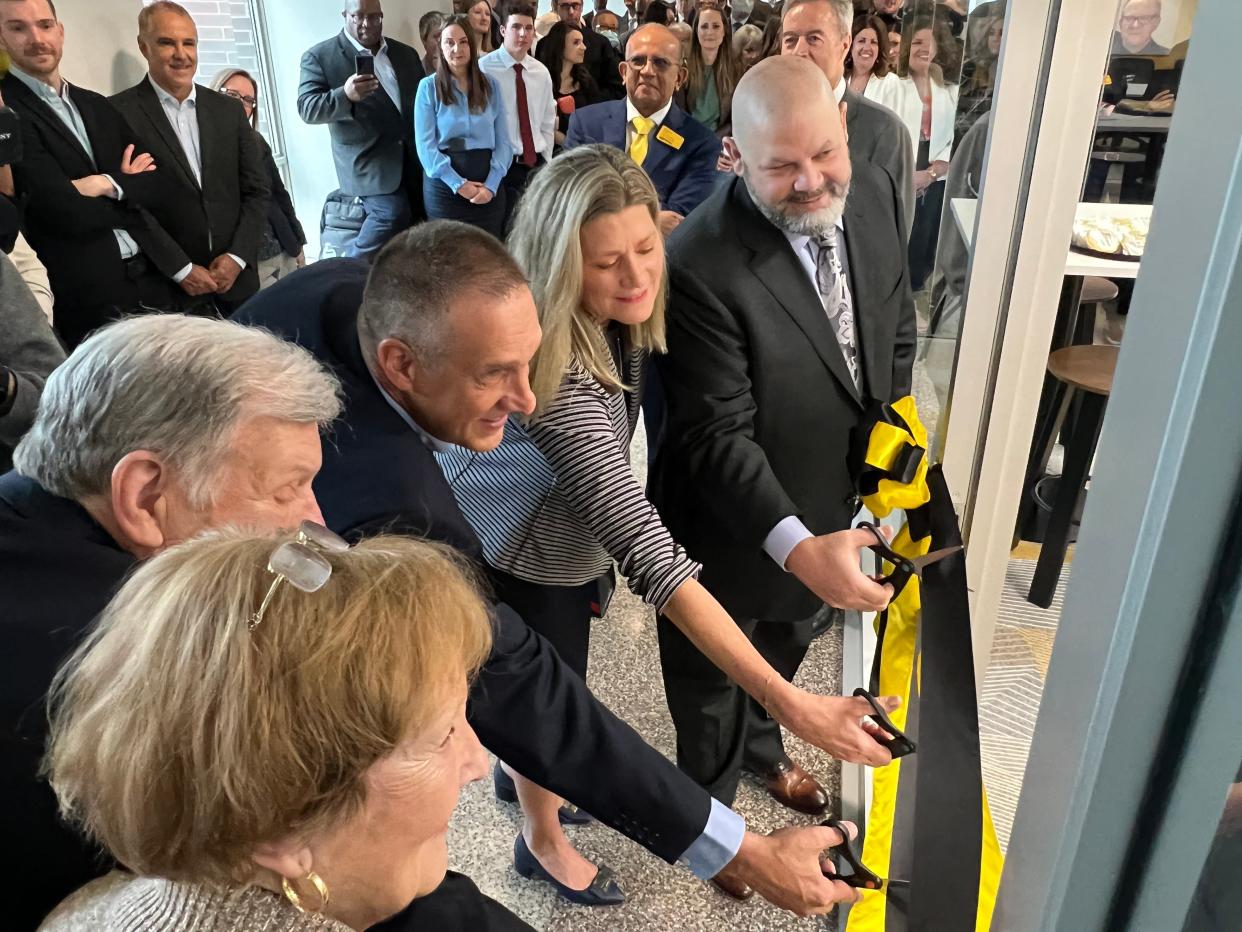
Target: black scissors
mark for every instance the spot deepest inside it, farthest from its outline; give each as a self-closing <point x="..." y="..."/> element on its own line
<point x="903" y="567"/>
<point x="860" y="876"/>
<point x="898" y="744"/>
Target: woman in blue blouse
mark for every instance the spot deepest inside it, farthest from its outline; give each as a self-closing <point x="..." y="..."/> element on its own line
<point x="461" y="135"/>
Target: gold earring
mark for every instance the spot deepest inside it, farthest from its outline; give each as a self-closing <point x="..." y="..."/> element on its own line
<point x="292" y="896"/>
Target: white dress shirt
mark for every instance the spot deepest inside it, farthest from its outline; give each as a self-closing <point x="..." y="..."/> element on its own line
<point x="658" y="118"/>
<point x="385" y="73"/>
<point x="790" y="531"/>
<point x="183" y="115"/>
<point x="540" y="101"/>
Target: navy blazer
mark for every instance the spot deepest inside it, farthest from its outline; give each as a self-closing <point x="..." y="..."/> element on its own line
<point x="527" y="706"/>
<point x="684" y="176"/>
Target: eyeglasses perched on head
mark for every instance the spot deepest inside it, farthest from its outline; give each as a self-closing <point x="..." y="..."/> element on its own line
<point x="237" y="95"/>
<point x="301" y="563"/>
<point x="639" y="62"/>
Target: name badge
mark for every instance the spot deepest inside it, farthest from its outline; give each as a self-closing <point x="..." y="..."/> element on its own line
<point x="670" y="138"/>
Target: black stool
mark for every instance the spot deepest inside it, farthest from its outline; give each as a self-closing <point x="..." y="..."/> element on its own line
<point x="1086" y="372"/>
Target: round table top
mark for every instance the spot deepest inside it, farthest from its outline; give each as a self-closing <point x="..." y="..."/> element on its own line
<point x="1089" y="368"/>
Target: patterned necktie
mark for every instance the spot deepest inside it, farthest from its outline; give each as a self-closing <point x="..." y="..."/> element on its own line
<point x="528" y="138"/>
<point x="638" y="147"/>
<point x="839" y="304"/>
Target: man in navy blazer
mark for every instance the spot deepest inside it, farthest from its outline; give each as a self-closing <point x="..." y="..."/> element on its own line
<point x="678" y="153"/>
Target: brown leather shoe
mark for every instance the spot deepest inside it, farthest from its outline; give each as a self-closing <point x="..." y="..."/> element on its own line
<point x="792" y="786"/>
<point x="733" y="887"/>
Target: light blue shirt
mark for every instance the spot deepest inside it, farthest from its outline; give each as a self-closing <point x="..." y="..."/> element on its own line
<point x="183" y="115"/>
<point x="435" y="124"/>
<point x="63" y="106"/>
<point x="790" y="531"/>
<point x="722" y="836"/>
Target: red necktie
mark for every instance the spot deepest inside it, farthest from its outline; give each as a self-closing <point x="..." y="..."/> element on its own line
<point x="528" y="140"/>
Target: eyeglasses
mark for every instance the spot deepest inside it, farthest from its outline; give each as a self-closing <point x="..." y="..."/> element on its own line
<point x="371" y="19"/>
<point x="244" y="98"/>
<point x="301" y="561"/>
<point x="569" y="6"/>
<point x="1138" y="20"/>
<point x="639" y="62"/>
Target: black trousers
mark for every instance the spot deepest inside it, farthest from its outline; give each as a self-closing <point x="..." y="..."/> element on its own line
<point x="514" y="183"/>
<point x="562" y="614"/>
<point x="720" y="729"/>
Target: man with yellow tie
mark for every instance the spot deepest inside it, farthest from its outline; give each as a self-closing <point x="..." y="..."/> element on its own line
<point x="678" y="153"/>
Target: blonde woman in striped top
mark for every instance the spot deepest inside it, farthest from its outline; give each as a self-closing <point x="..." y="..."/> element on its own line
<point x="557" y="502"/>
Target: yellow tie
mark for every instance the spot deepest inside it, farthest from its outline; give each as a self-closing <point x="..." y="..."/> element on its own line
<point x="638" y="148"/>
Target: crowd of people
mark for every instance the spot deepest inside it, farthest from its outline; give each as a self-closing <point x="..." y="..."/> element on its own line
<point x="284" y="542"/>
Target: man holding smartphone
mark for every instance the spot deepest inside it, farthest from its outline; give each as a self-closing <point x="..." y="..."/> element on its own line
<point x="362" y="86"/>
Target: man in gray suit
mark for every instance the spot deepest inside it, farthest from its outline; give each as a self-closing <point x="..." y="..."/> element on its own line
<point x="369" y="109"/>
<point x="820" y="30"/>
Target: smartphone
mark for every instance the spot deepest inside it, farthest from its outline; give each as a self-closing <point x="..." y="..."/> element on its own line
<point x="364" y="64"/>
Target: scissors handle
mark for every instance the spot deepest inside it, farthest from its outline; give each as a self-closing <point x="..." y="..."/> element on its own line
<point x="903" y="568"/>
<point x="898" y="745"/>
<point x="861" y="877"/>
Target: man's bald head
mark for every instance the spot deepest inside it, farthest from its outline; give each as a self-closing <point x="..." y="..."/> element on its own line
<point x="789" y="144"/>
<point x="652" y="67"/>
<point x="779" y="91"/>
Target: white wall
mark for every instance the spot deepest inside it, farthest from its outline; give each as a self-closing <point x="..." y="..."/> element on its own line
<point x="101" y="46"/>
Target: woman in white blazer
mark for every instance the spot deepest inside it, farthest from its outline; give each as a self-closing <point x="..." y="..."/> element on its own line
<point x="866" y="66"/>
<point x="925" y="97"/>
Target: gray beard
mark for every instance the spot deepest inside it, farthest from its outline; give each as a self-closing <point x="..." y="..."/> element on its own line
<point x="803" y="223"/>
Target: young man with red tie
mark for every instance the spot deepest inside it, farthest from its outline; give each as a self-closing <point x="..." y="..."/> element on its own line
<point x="526" y="87"/>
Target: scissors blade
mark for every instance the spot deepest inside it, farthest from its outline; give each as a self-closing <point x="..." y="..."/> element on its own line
<point x="921" y="563"/>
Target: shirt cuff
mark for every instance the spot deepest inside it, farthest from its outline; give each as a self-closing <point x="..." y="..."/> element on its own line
<point x="719" y="843"/>
<point x="241" y="262"/>
<point x="118" y="192"/>
<point x="180" y="276"/>
<point x="782" y="539"/>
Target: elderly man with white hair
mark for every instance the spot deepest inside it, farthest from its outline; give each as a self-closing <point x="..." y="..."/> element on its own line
<point x="1136" y="25"/>
<point x="789" y="315"/>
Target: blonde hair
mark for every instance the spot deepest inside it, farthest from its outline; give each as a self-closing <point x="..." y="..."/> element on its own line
<point x="181" y="739"/>
<point x="574" y="189"/>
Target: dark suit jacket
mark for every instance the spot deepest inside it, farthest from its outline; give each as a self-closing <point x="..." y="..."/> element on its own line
<point x="529" y="708"/>
<point x="372" y="141"/>
<point x="58" y="569"/>
<point x="227" y="213"/>
<point x="875" y="135"/>
<point x="760" y="404"/>
<point x="603" y="61"/>
<point x="281" y="216"/>
<point x="683" y="176"/>
<point x="73" y="234"/>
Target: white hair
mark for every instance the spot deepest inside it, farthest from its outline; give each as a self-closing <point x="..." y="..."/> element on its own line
<point x="843" y="8"/>
<point x="175" y="385"/>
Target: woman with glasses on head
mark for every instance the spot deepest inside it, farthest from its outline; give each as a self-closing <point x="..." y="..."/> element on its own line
<point x="557" y="502"/>
<point x="268" y="751"/>
<point x="281" y="250"/>
<point x="707" y="94"/>
<point x="461" y="135"/>
<point x="562" y="51"/>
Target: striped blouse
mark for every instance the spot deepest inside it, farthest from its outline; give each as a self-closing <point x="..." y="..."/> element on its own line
<point x="557" y="501"/>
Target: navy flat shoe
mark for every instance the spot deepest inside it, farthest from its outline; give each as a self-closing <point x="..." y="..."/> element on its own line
<point x="603" y="890"/>
<point x="506" y="792"/>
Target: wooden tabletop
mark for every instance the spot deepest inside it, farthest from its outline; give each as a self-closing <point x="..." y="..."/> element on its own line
<point x="1089" y="368"/>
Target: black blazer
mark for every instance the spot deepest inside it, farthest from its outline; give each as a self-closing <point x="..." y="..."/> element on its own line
<point x="760" y="404"/>
<point x="71" y="233"/>
<point x="281" y="216"/>
<point x="227" y="213"/>
<point x="528" y="708"/>
<point x="58" y="569"/>
<point x="603" y="62"/>
<point x="372" y="141"/>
